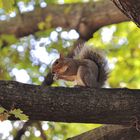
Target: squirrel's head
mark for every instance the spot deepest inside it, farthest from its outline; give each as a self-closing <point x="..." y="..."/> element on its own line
<point x="60" y="65"/>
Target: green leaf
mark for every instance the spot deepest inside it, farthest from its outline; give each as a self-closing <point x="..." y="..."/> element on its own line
<point x="0" y="4"/>
<point x="19" y="114"/>
<point x="2" y="110"/>
<point x="7" y="5"/>
<point x="41" y="25"/>
<point x="10" y="39"/>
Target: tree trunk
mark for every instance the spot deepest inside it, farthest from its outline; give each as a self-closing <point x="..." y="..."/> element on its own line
<point x="86" y="18"/>
<point x="60" y="104"/>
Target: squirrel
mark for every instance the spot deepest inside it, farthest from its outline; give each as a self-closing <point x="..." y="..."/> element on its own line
<point x="90" y="70"/>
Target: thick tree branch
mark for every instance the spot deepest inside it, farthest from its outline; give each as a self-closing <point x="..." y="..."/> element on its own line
<point x="113" y="132"/>
<point x="130" y="8"/>
<point x="107" y="106"/>
<point x="86" y="18"/>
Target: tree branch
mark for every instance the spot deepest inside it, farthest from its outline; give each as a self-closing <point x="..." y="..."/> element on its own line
<point x="86" y="18"/>
<point x="43" y="135"/>
<point x="113" y="132"/>
<point x="22" y="130"/>
<point x="60" y="104"/>
<point x="130" y="8"/>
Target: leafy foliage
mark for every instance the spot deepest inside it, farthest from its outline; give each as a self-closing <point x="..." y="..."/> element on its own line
<point x="7" y="4"/>
<point x="19" y="114"/>
<point x="123" y="52"/>
<point x="4" y="114"/>
<point x="2" y="110"/>
<point x="11" y="5"/>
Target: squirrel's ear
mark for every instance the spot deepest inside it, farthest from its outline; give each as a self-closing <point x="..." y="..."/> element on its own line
<point x="61" y="56"/>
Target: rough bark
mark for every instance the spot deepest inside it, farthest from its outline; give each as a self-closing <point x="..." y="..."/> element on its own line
<point x="86" y="18"/>
<point x="130" y="8"/>
<point x="59" y="104"/>
<point x="113" y="132"/>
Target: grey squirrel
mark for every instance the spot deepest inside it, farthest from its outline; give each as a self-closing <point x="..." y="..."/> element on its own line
<point x="90" y="70"/>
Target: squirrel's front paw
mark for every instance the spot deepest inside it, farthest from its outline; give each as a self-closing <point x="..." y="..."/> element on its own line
<point x="55" y="77"/>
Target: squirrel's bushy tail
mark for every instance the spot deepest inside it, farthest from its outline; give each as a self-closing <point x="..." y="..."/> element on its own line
<point x="99" y="58"/>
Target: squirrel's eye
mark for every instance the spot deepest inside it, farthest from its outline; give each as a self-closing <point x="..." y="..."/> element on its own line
<point x="56" y="62"/>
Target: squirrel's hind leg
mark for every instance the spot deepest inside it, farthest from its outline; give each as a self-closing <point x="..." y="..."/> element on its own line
<point x="86" y="78"/>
